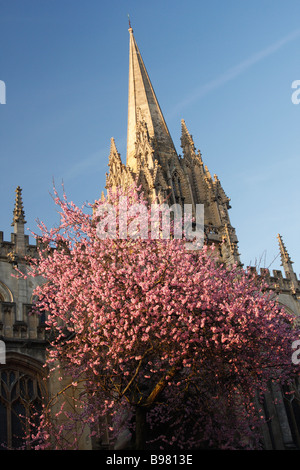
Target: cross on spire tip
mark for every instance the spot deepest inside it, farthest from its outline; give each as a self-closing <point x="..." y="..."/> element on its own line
<point x="129" y="23"/>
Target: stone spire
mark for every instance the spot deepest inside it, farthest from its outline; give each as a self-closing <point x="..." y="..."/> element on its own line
<point x="287" y="263"/>
<point x="18" y="214"/>
<point x="154" y="165"/>
<point x="143" y="105"/>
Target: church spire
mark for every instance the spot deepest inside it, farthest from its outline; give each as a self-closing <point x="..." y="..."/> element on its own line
<point x="143" y="104"/>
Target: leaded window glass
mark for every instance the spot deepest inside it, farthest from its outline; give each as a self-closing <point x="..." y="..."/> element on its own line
<point x="20" y="399"/>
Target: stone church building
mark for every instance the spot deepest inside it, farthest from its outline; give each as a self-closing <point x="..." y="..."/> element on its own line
<point x="152" y="162"/>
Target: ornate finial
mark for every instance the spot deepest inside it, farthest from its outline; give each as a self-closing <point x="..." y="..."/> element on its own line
<point x="19" y="215"/>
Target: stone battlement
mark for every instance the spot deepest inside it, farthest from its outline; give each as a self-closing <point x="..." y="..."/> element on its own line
<point x="8" y="249"/>
<point x="276" y="280"/>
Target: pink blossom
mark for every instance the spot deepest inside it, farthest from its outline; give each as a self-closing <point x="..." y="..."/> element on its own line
<point x="146" y="323"/>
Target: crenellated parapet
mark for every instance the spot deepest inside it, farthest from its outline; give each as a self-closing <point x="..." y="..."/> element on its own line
<point x="9" y="249"/>
<point x="276" y="280"/>
<point x="283" y="288"/>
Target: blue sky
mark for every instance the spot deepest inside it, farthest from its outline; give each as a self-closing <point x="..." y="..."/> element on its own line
<point x="224" y="66"/>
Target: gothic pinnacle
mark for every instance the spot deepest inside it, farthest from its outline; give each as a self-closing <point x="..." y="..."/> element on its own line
<point x="283" y="251"/>
<point x="287" y="266"/>
<point x="113" y="146"/>
<point x="186" y="138"/>
<point x="185" y="132"/>
<point x="18" y="214"/>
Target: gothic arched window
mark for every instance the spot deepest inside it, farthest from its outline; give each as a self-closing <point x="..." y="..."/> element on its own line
<point x="20" y="398"/>
<point x="5" y="293"/>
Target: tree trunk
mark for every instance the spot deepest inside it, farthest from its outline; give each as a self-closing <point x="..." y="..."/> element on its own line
<point x="140" y="428"/>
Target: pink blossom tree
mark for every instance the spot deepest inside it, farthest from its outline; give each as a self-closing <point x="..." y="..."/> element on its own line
<point x="163" y="341"/>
